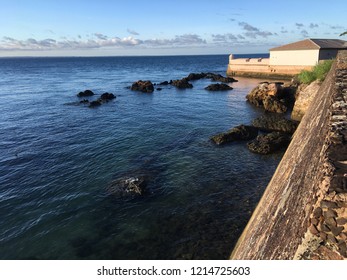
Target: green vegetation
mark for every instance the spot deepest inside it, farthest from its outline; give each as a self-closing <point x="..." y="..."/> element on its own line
<point x="318" y="72"/>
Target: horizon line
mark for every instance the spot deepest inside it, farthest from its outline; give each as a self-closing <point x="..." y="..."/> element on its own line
<point x="134" y="55"/>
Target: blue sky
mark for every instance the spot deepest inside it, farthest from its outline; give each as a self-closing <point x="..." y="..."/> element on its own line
<point x="101" y="27"/>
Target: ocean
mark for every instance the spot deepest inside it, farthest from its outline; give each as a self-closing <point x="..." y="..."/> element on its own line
<point x="58" y="157"/>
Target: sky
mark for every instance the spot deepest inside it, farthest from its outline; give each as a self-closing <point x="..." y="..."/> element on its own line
<point x="161" y="27"/>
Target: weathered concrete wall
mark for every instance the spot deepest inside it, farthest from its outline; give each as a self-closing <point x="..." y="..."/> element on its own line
<point x="282" y="217"/>
<point x="252" y="68"/>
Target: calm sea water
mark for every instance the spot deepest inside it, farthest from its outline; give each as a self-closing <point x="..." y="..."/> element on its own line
<point x="56" y="161"/>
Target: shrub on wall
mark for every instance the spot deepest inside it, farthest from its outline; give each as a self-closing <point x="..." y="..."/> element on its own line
<point x="318" y="72"/>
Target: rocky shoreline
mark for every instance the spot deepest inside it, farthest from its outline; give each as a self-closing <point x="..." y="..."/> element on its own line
<point x="276" y="98"/>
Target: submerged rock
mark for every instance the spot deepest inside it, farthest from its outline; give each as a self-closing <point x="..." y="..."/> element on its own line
<point x="241" y="132"/>
<point x="143" y="86"/>
<point x="127" y="187"/>
<point x="269" y="143"/>
<point x="218" y="87"/>
<point x="272" y="122"/>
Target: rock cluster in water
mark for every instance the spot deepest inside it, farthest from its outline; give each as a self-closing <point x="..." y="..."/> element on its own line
<point x="273" y="97"/>
<point x="184" y="83"/>
<point x="104" y="98"/>
<point x="278" y="134"/>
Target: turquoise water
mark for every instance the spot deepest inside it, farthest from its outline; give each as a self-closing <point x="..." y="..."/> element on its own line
<point x="56" y="160"/>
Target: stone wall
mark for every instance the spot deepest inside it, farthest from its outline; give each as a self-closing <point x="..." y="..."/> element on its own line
<point x="261" y="67"/>
<point x="311" y="175"/>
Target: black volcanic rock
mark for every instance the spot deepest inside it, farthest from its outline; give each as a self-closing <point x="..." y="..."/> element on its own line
<point x="273" y="122"/>
<point x="219" y="78"/>
<point x="143" y="86"/>
<point x="272" y="104"/>
<point x="269" y="143"/>
<point x="107" y="96"/>
<point x="241" y="132"/>
<point x="218" y="87"/>
<point x="85" y="93"/>
<point x="182" y="84"/>
<point x="195" y="76"/>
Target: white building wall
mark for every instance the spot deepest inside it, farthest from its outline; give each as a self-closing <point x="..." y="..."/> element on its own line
<point x="294" y="57"/>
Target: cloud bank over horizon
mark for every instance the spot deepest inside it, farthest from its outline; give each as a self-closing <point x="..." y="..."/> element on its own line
<point x="156" y="27"/>
<point x="99" y="40"/>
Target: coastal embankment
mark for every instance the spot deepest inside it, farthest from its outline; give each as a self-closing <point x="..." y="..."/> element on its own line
<point x="302" y="213"/>
<point x="261" y="67"/>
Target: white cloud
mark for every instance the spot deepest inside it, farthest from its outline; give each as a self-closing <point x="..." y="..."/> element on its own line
<point x="11" y="44"/>
<point x="97" y="40"/>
